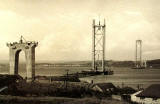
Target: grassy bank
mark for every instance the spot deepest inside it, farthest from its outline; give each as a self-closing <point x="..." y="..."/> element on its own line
<point x="55" y="100"/>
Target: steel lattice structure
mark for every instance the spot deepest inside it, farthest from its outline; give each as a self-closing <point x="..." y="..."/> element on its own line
<point x="138" y="54"/>
<point x="98" y="46"/>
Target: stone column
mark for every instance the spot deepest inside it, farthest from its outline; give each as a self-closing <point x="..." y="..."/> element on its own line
<point x="30" y="62"/>
<point x="12" y="58"/>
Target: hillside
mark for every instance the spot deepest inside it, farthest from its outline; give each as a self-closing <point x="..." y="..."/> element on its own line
<point x="153" y="63"/>
<point x="111" y="63"/>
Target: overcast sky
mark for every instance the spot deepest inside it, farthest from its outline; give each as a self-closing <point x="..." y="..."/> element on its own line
<point x="63" y="28"/>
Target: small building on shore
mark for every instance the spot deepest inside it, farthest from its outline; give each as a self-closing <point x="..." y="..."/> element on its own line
<point x="150" y="95"/>
<point x="134" y="97"/>
<point x="105" y="88"/>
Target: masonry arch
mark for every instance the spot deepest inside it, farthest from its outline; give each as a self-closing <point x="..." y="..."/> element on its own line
<point x="17" y="61"/>
<point x="29" y="50"/>
<point x="20" y="63"/>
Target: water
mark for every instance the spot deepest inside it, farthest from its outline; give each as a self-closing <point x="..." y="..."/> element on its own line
<point x="130" y="77"/>
<point x="122" y="76"/>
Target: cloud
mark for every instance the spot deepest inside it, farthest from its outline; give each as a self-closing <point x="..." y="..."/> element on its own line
<point x="133" y="13"/>
<point x="64" y="29"/>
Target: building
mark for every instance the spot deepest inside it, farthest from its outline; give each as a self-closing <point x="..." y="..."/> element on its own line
<point x="107" y="88"/>
<point x="134" y="97"/>
<point x="150" y="95"/>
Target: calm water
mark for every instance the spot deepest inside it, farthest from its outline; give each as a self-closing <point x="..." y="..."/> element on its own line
<point x="130" y="77"/>
<point x="127" y="76"/>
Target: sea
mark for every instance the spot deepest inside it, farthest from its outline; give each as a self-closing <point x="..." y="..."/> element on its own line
<point x="123" y="76"/>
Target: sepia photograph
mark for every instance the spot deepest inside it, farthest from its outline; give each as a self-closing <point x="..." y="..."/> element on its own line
<point x="79" y="51"/>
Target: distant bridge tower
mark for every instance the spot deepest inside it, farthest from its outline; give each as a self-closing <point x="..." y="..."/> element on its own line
<point x="29" y="48"/>
<point x="138" y="54"/>
<point x="98" y="46"/>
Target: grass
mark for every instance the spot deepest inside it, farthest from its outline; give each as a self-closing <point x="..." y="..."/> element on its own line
<point x="56" y="100"/>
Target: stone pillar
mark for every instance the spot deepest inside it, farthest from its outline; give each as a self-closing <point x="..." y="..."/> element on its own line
<point x="12" y="64"/>
<point x="30" y="62"/>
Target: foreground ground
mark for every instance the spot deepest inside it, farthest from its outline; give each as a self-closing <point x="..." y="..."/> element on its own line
<point x="56" y="100"/>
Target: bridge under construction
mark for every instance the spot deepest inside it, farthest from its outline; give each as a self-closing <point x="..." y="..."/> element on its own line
<point x="139" y="63"/>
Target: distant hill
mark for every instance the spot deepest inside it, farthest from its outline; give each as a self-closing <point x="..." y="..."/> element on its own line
<point x="120" y="63"/>
<point x="150" y="63"/>
<point x="89" y="63"/>
<point x="154" y="63"/>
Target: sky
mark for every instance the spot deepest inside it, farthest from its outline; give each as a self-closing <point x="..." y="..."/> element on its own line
<point x="63" y="28"/>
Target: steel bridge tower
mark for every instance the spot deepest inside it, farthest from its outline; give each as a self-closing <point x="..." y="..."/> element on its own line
<point x="98" y="46"/>
<point x="138" y="54"/>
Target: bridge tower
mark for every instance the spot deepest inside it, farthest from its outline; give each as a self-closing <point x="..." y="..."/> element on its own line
<point x="98" y="46"/>
<point x="29" y="49"/>
<point x="138" y="54"/>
